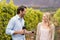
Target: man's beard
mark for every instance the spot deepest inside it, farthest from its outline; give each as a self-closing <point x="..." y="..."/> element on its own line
<point x="22" y="15"/>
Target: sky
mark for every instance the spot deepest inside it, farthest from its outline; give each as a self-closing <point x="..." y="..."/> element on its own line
<point x="38" y="3"/>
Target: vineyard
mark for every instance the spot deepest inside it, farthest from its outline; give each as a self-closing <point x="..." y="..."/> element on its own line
<point x="32" y="18"/>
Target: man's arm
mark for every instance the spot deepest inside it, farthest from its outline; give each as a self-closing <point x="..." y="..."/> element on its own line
<point x="10" y="26"/>
<point x="19" y="32"/>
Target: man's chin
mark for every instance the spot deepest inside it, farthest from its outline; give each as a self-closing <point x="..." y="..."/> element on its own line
<point x="22" y="16"/>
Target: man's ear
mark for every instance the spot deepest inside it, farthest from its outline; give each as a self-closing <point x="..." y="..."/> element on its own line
<point x="21" y="11"/>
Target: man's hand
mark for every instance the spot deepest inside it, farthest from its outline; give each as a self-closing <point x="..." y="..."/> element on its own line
<point x="28" y="32"/>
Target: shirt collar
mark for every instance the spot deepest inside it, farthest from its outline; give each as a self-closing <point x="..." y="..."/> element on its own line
<point x="18" y="17"/>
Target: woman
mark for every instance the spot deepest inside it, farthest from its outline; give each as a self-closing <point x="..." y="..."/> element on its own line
<point x="45" y="29"/>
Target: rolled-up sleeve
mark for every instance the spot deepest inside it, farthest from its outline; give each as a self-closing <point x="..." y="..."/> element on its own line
<point x="10" y="26"/>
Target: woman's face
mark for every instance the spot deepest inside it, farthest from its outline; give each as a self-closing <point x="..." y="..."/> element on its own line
<point x="45" y="18"/>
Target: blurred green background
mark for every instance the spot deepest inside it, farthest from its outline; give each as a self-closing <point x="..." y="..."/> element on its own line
<point x="32" y="18"/>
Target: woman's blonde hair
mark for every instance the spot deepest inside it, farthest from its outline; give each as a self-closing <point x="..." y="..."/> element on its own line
<point x="48" y="15"/>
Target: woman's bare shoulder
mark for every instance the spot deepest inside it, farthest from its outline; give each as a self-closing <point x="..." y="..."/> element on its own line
<point x="40" y="23"/>
<point x="52" y="25"/>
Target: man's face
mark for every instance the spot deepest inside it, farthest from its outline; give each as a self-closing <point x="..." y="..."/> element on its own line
<point x="22" y="13"/>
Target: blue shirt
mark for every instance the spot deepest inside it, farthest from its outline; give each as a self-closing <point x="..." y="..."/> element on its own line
<point x="16" y="23"/>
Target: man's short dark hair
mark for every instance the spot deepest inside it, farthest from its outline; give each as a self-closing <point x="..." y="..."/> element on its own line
<point x="21" y="8"/>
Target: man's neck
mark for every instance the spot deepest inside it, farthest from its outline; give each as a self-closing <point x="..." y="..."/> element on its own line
<point x="20" y="16"/>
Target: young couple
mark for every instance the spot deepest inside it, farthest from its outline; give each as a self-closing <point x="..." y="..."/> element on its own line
<point x="15" y="27"/>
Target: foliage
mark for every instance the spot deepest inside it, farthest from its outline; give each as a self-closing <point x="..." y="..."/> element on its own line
<point x="57" y="17"/>
<point x="7" y="11"/>
<point x="32" y="18"/>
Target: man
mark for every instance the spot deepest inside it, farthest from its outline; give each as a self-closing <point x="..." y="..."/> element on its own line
<point x="15" y="27"/>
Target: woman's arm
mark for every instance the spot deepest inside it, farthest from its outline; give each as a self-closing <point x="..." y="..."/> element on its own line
<point x="38" y="33"/>
<point x="53" y="32"/>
